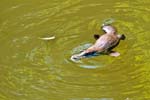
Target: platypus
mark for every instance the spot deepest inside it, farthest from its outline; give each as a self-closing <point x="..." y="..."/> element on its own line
<point x="104" y="43"/>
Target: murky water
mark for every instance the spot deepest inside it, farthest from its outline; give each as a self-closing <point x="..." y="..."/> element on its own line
<point x="33" y="69"/>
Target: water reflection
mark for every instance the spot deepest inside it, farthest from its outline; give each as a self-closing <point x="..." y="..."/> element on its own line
<point x="42" y="70"/>
<point x="92" y="99"/>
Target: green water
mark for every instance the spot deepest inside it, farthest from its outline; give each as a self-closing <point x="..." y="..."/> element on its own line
<point x="34" y="69"/>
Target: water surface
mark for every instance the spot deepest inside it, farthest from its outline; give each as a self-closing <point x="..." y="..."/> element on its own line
<point x="33" y="69"/>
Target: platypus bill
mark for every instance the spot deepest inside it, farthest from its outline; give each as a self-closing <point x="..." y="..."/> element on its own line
<point x="104" y="43"/>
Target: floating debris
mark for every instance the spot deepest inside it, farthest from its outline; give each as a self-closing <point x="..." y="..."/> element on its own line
<point x="47" y="38"/>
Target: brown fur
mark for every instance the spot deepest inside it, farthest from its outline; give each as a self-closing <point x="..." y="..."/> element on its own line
<point x="104" y="43"/>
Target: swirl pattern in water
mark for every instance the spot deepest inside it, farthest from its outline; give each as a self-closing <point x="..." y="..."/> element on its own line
<point x="33" y="69"/>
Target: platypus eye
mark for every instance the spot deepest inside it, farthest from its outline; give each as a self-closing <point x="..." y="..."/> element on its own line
<point x="106" y="29"/>
<point x="102" y="27"/>
<point x="109" y="29"/>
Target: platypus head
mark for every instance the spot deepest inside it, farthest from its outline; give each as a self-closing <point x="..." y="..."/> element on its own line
<point x="109" y="29"/>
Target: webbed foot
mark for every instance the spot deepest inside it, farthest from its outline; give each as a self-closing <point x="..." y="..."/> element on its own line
<point x="96" y="36"/>
<point x="114" y="54"/>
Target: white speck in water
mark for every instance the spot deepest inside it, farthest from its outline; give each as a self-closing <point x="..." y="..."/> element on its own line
<point x="48" y="38"/>
<point x="89" y="66"/>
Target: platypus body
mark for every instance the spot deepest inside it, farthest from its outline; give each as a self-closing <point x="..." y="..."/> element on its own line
<point x="104" y="43"/>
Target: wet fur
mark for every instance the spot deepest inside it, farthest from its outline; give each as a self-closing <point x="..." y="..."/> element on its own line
<point x="104" y="43"/>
